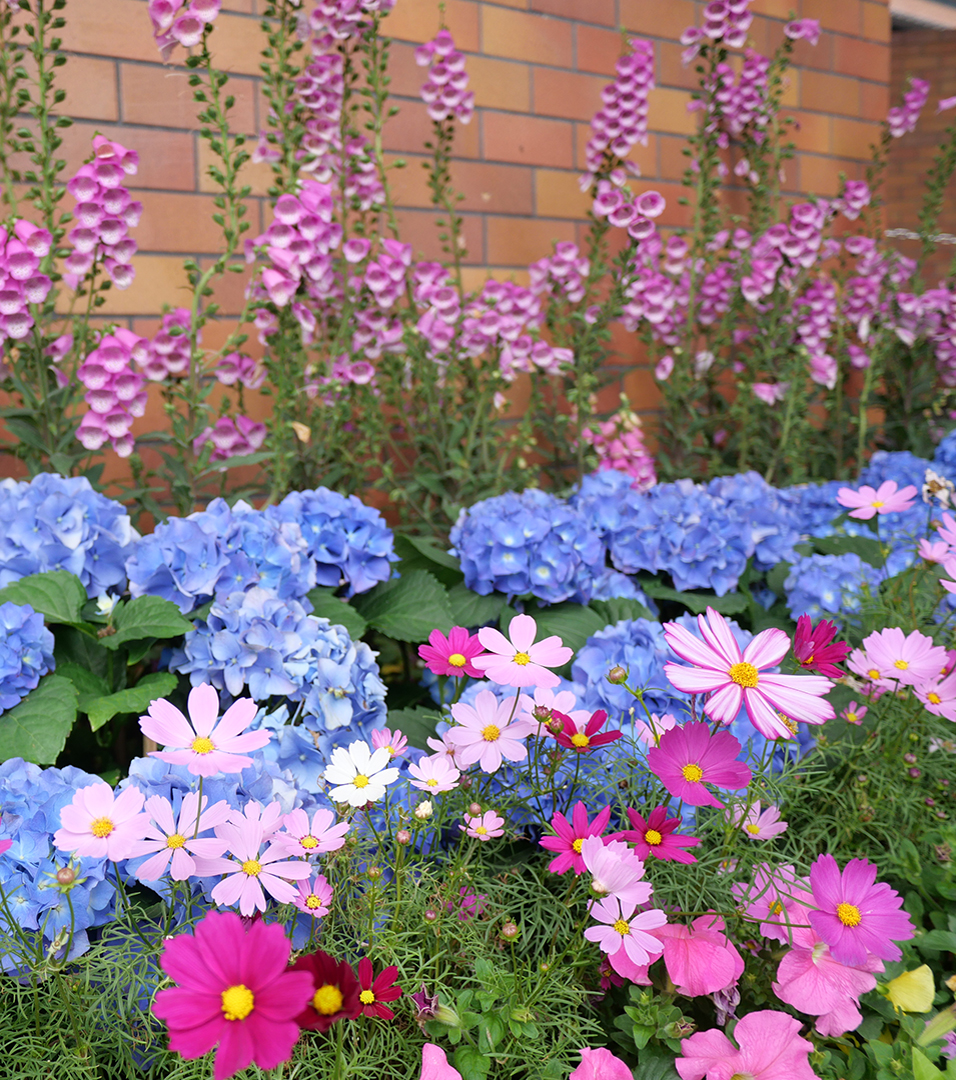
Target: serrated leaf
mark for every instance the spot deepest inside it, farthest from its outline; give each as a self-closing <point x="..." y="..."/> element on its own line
<point x="87" y="683"/>
<point x="37" y="728"/>
<point x="868" y="549"/>
<point x="419" y="553"/>
<point x="146" y="617"/>
<point x="417" y="725"/>
<point x="472" y="609"/>
<point x="58" y="595"/>
<point x="573" y="623"/>
<point x="136" y="699"/>
<point x="697" y="603"/>
<point x="407" y="608"/>
<point x="620" y="607"/>
<point x="326" y="605"/>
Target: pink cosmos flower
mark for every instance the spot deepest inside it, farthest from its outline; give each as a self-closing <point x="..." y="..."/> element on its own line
<point x="434" y="774"/>
<point x="625" y="934"/>
<point x="234" y="989"/>
<point x="886" y="499"/>
<point x="395" y="742"/>
<point x="102" y="825"/>
<point x="854" y="713"/>
<point x="545" y="702"/>
<point x="690" y="757"/>
<point x="655" y="836"/>
<point x="699" y="958"/>
<point x="571" y="835"/>
<point x="313" y="897"/>
<point x="166" y="839"/>
<point x="582" y="739"/>
<point x="759" y="825"/>
<point x="854" y="915"/>
<point x="770" y="1048"/>
<point x="452" y="655"/>
<point x="444" y="748"/>
<point x="600" y="1064"/>
<point x="907" y="659"/>
<point x="731" y="678"/>
<point x="939" y="698"/>
<point x="777" y="899"/>
<point x="815" y="650"/>
<point x="435" y="1064"/>
<point x="936" y="552"/>
<point x="650" y="733"/>
<point x="615" y="870"/>
<point x="209" y="746"/>
<point x="521" y="661"/>
<point x="484" y="826"/>
<point x="303" y="839"/>
<point x="486" y="734"/>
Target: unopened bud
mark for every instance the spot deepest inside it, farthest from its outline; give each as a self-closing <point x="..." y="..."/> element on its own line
<point x="66" y="875"/>
<point x="430" y="915"/>
<point x="446" y="1015"/>
<point x="424" y="810"/>
<point x="930" y="801"/>
<point x="541" y="713"/>
<point x="474" y="809"/>
<point x="915" y="773"/>
<point x="510" y="931"/>
<point x="465" y="783"/>
<point x="403" y="836"/>
<point x="374" y="873"/>
<point x="617" y="676"/>
<point x="910" y="759"/>
<point x="555" y="726"/>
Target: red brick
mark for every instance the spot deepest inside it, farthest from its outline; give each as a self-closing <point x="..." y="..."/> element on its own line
<point x="166" y="158"/>
<point x="819" y="175"/>
<point x="853" y="138"/>
<point x="598" y="50"/>
<point x="829" y="93"/>
<point x="258" y="175"/>
<point x="527" y="140"/>
<point x="874" y="101"/>
<point x="865" y="59"/>
<point x="559" y="195"/>
<point x="671" y="71"/>
<point x="112" y="28"/>
<point x="817" y="57"/>
<point x="409" y="130"/>
<point x="775" y="9"/>
<point x="162" y="97"/>
<point x="564" y="94"/>
<point x="811" y="132"/>
<point x="667" y="20"/>
<point x="673" y="161"/>
<point x="592" y="11"/>
<point x="876" y="21"/>
<point x="407" y="77"/>
<point x="520" y="35"/>
<point x="418" y="228"/>
<point x="668" y="111"/>
<point x="521" y="242"/>
<point x="90" y="87"/>
<point x="846" y="16"/>
<point x="500" y="84"/>
<point x="417" y="21"/>
<point x="160" y="279"/>
<point x="177" y="222"/>
<point x="501" y="189"/>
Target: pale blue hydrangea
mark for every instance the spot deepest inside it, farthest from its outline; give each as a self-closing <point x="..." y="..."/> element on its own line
<point x="824" y="586"/>
<point x="899" y="465"/>
<point x="771" y="522"/>
<point x="815" y="508"/>
<point x="944" y="460"/>
<point x="26" y="652"/>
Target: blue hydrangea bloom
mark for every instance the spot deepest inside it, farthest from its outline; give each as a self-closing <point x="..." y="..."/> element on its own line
<point x="60" y="523"/>
<point x="529" y="543"/>
<point x="944" y="460"/>
<point x="815" y="507"/>
<point x="899" y="465"/>
<point x="349" y="541"/>
<point x="26" y="652"/>
<point x="824" y="586"/>
<point x="771" y="521"/>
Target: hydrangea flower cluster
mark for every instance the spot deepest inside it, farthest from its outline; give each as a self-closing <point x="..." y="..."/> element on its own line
<point x="621" y="122"/>
<point x="825" y="585"/>
<point x="60" y="523"/>
<point x="26" y="652"/>
<point x="771" y="521"/>
<point x="529" y="543"/>
<point x="114" y="391"/>
<point x="176" y="23"/>
<point x="619" y="443"/>
<point x="104" y="214"/>
<point x="446" y="91"/>
<point x="21" y="283"/>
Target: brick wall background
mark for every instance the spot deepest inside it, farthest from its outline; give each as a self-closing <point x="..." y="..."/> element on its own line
<point x="537" y="68"/>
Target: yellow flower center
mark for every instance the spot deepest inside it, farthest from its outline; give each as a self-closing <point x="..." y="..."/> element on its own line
<point x="901" y="664"/>
<point x="327" y="1000"/>
<point x="360" y="781"/>
<point x="522" y="658"/>
<point x="432" y="782"/>
<point x="933" y="697"/>
<point x="576" y="845"/>
<point x="312" y="901"/>
<point x="580" y="740"/>
<point x="622" y="927"/>
<point x="237" y="1002"/>
<point x="490" y="732"/>
<point x="251" y="867"/>
<point x="202" y="745"/>
<point x="457" y="660"/>
<point x="481" y="830"/>
<point x="852" y="717"/>
<point x="653" y="837"/>
<point x="101" y="827"/>
<point x="876" y="504"/>
<point x="692" y="773"/>
<point x="873" y="673"/>
<point x="175" y="840"/>
<point x="848" y="914"/>
<point x="744" y="674"/>
<point x="753" y="829"/>
<point x="776" y="907"/>
<point x="366" y="997"/>
<point x="309" y="842"/>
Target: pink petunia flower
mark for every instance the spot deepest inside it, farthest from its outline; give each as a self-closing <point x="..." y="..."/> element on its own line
<point x="394" y="742"/>
<point x="901" y="658"/>
<point x="855" y="915"/>
<point x="815" y="649"/>
<point x="521" y="661"/>
<point x="732" y="678"/>
<point x="616" y="871"/>
<point x="625" y="934"/>
<point x="484" y="826"/>
<point x="854" y="713"/>
<point x="571" y="835"/>
<point x="655" y="835"/>
<point x="209" y="746"/>
<point x="939" y="698"/>
<point x="452" y="655"/>
<point x="886" y="499"/>
<point x="435" y="1064"/>
<point x="757" y="824"/>
<point x="313" y="897"/>
<point x="100" y="824"/>
<point x="167" y="839"/>
<point x="486" y="734"/>
<point x="690" y="757"/>
<point x="435" y="774"/>
<point x="304" y="839"/>
<point x="769" y="1047"/>
<point x="573" y="736"/>
<point x="699" y="958"/>
<point x="235" y="990"/>
<point x="601" y="1064"/>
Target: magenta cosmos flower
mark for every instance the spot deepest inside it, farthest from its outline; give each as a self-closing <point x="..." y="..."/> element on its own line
<point x="571" y="835"/>
<point x="732" y="678"/>
<point x="886" y="499"/>
<point x="655" y="835"/>
<point x="452" y="655"/>
<point x="815" y="649"/>
<point x="689" y="757"/>
<point x="486" y="734"/>
<point x="573" y="737"/>
<point x="770" y="1048"/>
<point x="521" y="661"/>
<point x="313" y="897"/>
<point x="209" y="745"/>
<point x="101" y="825"/>
<point x="334" y="991"/>
<point x="234" y="989"/>
<point x="856" y="915"/>
<point x="167" y="839"/>
<point x="907" y="659"/>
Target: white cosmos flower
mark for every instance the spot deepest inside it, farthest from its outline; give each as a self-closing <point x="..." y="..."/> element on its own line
<point x="359" y="773"/>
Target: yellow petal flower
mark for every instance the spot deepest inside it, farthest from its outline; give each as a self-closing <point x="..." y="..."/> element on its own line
<point x="913" y="990"/>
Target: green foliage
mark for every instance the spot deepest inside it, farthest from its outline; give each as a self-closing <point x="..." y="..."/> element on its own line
<point x="57" y="595"/>
<point x="37" y="728"/>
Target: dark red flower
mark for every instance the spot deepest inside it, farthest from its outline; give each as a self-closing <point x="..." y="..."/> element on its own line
<point x="655" y="836"/>
<point x="377" y="989"/>
<point x="812" y="648"/>
<point x="336" y="995"/>
<point x="571" y="738"/>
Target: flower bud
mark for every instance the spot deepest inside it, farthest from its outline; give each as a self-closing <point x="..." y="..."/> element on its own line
<point x="474" y="809"/>
<point x="66" y="875"/>
<point x="930" y="801"/>
<point x="510" y="931"/>
<point x="915" y="773"/>
<point x="522" y="1015"/>
<point x="541" y="713"/>
<point x="431" y="915"/>
<point x="555" y="726"/>
<point x="424" y="810"/>
<point x="617" y="676"/>
<point x="374" y="873"/>
<point x="403" y="837"/>
<point x="910" y="759"/>
<point x="444" y="1014"/>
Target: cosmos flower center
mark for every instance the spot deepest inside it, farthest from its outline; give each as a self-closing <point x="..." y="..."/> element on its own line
<point x="576" y="845"/>
<point x="851" y="717"/>
<point x="902" y="665"/>
<point x="101" y="827"/>
<point x="432" y="782"/>
<point x="251" y="867"/>
<point x="877" y="503"/>
<point x="622" y="927"/>
<point x="580" y="740"/>
<point x="327" y="1000"/>
<point x="312" y="901"/>
<point x="873" y="673"/>
<point x="237" y="1002"/>
<point x="744" y="674"/>
<point x="652" y="836"/>
<point x="848" y="914"/>
<point x="753" y="829"/>
<point x="202" y="745"/>
<point x="457" y="660"/>
<point x="522" y="658"/>
<point x="175" y="840"/>
<point x="481" y="830"/>
<point x="309" y="842"/>
<point x="366" y="997"/>
<point x="360" y="781"/>
<point x="932" y="697"/>
<point x="490" y="732"/>
<point x="692" y="773"/>
<point x="776" y="908"/>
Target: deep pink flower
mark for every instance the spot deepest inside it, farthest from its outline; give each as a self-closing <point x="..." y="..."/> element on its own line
<point x="572" y="737"/>
<point x="166" y="839"/>
<point x="600" y="1064"/>
<point x="759" y="825"/>
<point x="732" y="678"/>
<point x="333" y="991"/>
<point x="655" y="836"/>
<point x="907" y="659"/>
<point x="624" y="930"/>
<point x="521" y="661"/>
<point x="101" y="825"/>
<point x="234" y="989"/>
<point x="377" y="989"/>
<point x="886" y="499"/>
<point x="452" y="655"/>
<point x="689" y="757"/>
<point x="435" y="1064"/>
<point x="856" y="916"/>
<point x="699" y="958"/>
<point x="486" y="734"/>
<point x="813" y="649"/>
<point x="777" y="899"/>
<point x="803" y="28"/>
<point x="770" y="1048"/>
<point x="570" y="836"/>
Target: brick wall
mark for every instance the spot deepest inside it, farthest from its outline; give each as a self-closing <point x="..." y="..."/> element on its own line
<point x="537" y="68"/>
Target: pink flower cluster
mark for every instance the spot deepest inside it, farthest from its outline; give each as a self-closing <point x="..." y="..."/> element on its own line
<point x="104" y="213"/>
<point x="903" y="118"/>
<point x="21" y="282"/>
<point x="621" y="122"/>
<point x="345" y="18"/>
<point x="236" y="368"/>
<point x="177" y="24"/>
<point x="168" y="353"/>
<point x="808" y="29"/>
<point x="320" y="89"/>
<point x="231" y="438"/>
<point x="619" y="443"/>
<point x="744" y="102"/>
<point x="562" y="274"/>
<point x="724" y="20"/>
<point x="114" y="391"/>
<point x="445" y="92"/>
<point x="385" y="275"/>
<point x="854" y="199"/>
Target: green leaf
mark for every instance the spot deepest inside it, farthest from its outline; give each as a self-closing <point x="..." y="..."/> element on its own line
<point x="472" y="1063"/>
<point x="777" y="576"/>
<point x="74" y="646"/>
<point x="58" y="595"/>
<point x="407" y="608"/>
<point x="923" y="1068"/>
<point x="936" y="941"/>
<point x="868" y="549"/>
<point x="472" y="609"/>
<point x="697" y="603"/>
<point x="146" y="617"/>
<point x="491" y="1031"/>
<point x="326" y="605"/>
<point x="37" y="728"/>
<point x="87" y="683"/>
<point x="620" y="607"/>
<point x="417" y="725"/>
<point x="573" y="623"/>
<point x="653" y="1067"/>
<point x="136" y="699"/>
<point x="420" y="553"/>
